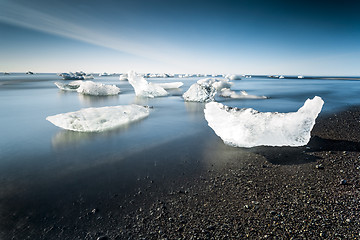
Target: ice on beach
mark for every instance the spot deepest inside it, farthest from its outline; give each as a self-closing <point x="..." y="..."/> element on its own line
<point x="227" y="93"/>
<point x="143" y="88"/>
<point x="170" y="85"/>
<point x="204" y="90"/>
<point x="249" y="128"/>
<point x="89" y="88"/>
<point x="99" y="119"/>
<point x="97" y="89"/>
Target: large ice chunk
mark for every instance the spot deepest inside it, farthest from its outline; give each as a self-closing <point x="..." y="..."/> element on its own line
<point x="170" y="85"/>
<point x="143" y="88"/>
<point x="249" y="128"/>
<point x="204" y="90"/>
<point x="99" y="119"/>
<point x="226" y="92"/>
<point x="97" y="89"/>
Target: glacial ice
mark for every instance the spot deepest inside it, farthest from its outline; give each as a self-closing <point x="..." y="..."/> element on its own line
<point x="204" y="90"/>
<point x="226" y="92"/>
<point x="99" y="119"/>
<point x="170" y="85"/>
<point x="249" y="128"/>
<point x="97" y="89"/>
<point x="143" y="88"/>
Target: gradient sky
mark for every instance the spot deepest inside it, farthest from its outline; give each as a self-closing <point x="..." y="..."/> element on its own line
<point x="250" y="37"/>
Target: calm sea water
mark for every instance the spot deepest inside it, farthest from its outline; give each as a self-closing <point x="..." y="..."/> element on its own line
<point x="34" y="153"/>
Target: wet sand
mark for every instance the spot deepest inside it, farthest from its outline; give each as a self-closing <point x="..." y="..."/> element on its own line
<point x="310" y="192"/>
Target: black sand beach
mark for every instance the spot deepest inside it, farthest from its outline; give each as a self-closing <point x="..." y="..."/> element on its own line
<point x="309" y="192"/>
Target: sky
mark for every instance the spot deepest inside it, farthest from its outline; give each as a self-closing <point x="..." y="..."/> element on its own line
<point x="180" y="36"/>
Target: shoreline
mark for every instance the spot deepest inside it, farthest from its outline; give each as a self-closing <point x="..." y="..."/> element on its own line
<point x="258" y="193"/>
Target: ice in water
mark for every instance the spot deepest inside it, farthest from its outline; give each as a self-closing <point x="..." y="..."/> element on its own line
<point x="249" y="128"/>
<point x="204" y="90"/>
<point x="89" y="88"/>
<point x="143" y="88"/>
<point x="99" y="119"/>
<point x="170" y="85"/>
<point x="97" y="89"/>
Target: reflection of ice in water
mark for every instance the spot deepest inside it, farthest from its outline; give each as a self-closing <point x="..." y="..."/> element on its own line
<point x="87" y="99"/>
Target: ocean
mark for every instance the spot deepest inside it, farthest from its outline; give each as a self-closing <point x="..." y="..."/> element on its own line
<point x="43" y="168"/>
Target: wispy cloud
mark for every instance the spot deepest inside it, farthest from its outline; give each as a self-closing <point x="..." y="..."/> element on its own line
<point x="30" y="18"/>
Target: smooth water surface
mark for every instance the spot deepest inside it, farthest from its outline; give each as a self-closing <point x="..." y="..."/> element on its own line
<point x="33" y="152"/>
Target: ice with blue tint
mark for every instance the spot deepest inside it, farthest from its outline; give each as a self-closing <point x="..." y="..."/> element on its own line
<point x="143" y="88"/>
<point x="99" y="119"/>
<point x="247" y="127"/>
<point x="227" y="93"/>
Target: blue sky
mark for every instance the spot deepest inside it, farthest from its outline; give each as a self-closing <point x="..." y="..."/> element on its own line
<point x="251" y="37"/>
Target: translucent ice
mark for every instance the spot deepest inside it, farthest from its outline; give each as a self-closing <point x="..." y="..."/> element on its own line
<point x="204" y="90"/>
<point x="99" y="119"/>
<point x="89" y="88"/>
<point x="72" y="86"/>
<point x="226" y="92"/>
<point x="249" y="128"/>
<point x="97" y="89"/>
<point x="170" y="85"/>
<point x="143" y="88"/>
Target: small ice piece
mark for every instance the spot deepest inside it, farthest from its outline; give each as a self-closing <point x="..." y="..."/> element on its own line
<point x="99" y="119"/>
<point x="123" y="77"/>
<point x="249" y="128"/>
<point x="143" y="88"/>
<point x="226" y="92"/>
<point x="71" y="86"/>
<point x="97" y="89"/>
<point x="170" y="85"/>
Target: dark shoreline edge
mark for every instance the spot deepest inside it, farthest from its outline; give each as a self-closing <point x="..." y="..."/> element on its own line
<point x="308" y="192"/>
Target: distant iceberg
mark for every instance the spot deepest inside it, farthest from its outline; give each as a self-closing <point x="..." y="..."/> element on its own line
<point x="143" y="88"/>
<point x="249" y="128"/>
<point x="233" y="77"/>
<point x="204" y="90"/>
<point x="227" y="93"/>
<point x="89" y="88"/>
<point x="170" y="85"/>
<point x="76" y="76"/>
<point x="99" y="119"/>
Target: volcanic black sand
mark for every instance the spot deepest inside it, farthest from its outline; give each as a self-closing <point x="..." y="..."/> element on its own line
<point x="309" y="192"/>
